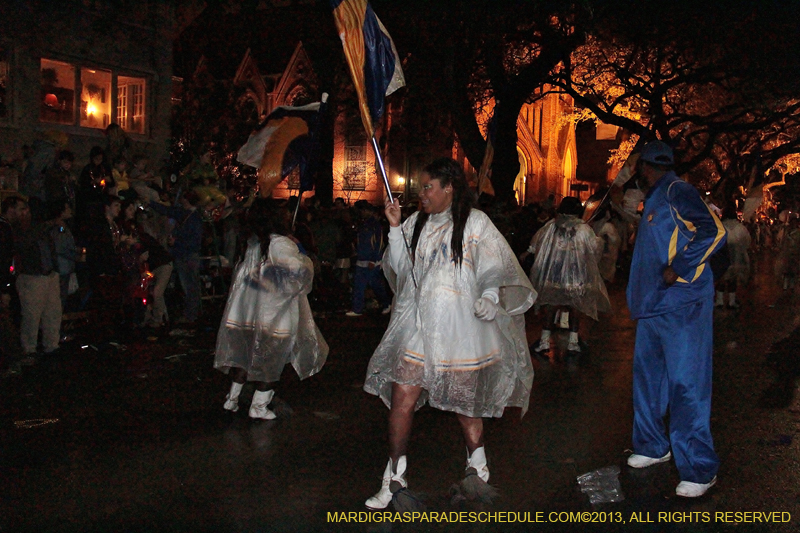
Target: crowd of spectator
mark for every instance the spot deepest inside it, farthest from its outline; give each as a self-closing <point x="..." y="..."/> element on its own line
<point x="111" y="238"/>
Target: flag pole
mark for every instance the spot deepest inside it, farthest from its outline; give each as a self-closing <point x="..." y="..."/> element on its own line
<point x="297" y="207"/>
<point x="381" y="167"/>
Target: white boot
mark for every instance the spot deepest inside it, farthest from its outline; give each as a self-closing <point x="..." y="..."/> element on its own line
<point x="478" y="461"/>
<point x="383" y="497"/>
<point x="573" y="345"/>
<point x="232" y="399"/>
<point x="258" y="407"/>
<point x="720" y="301"/>
<point x="544" y="342"/>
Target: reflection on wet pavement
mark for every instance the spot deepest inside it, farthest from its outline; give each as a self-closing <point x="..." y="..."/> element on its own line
<point x="137" y="440"/>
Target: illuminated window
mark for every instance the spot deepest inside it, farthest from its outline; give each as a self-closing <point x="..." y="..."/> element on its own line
<point x="355" y="176"/>
<point x="5" y="82"/>
<point x="97" y="106"/>
<point x="95" y="98"/>
<point x="58" y="92"/>
<point x="355" y="151"/>
<point x="606" y="132"/>
<point x="130" y="104"/>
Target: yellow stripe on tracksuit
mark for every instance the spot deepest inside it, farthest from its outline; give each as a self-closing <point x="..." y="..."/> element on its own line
<point x="673" y="241"/>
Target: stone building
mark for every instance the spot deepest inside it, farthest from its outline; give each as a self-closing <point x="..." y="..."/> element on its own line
<point x="546" y="148"/>
<point x="546" y="142"/>
<point x="68" y="69"/>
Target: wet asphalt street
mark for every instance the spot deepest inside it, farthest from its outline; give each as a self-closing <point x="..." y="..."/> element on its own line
<point x="132" y="436"/>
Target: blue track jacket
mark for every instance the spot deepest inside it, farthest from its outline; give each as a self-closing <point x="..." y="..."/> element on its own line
<point x="678" y="229"/>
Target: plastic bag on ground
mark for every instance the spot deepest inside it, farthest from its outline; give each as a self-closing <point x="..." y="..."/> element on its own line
<point x="602" y="485"/>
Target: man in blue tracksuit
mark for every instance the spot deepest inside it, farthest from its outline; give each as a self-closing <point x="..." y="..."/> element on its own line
<point x="670" y="292"/>
<point x="369" y="250"/>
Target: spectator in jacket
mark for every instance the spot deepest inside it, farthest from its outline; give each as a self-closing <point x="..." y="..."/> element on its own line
<point x="39" y="290"/>
<point x="59" y="182"/>
<point x="13" y="211"/>
<point x="369" y="250"/>
<point x="60" y="212"/>
<point x="185" y="249"/>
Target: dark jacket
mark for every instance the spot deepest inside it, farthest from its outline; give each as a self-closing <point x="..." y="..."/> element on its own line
<point x="37" y="252"/>
<point x="7" y="251"/>
<point x="157" y="254"/>
<point x="59" y="185"/>
<point x="102" y="254"/>
<point x="188" y="232"/>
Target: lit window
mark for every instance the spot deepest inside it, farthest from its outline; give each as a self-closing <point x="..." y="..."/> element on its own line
<point x="58" y="92"/>
<point x="131" y="104"/>
<point x="96" y="105"/>
<point x="95" y="98"/>
<point x="5" y="82"/>
<point x="606" y="132"/>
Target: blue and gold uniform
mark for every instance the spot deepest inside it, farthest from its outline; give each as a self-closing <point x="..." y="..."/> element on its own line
<point x="674" y="335"/>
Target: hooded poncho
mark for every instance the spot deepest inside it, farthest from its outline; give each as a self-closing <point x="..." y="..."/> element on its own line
<point x="267" y="322"/>
<point x="565" y="269"/>
<point x="434" y="341"/>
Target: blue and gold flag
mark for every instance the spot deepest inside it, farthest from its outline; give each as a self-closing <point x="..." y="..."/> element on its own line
<point x="286" y="139"/>
<point x="371" y="56"/>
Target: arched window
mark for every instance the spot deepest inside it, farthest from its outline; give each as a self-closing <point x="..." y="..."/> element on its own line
<point x="569" y="171"/>
<point x="519" y="183"/>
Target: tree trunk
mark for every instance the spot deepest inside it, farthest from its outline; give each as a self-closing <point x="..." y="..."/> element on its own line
<point x="505" y="166"/>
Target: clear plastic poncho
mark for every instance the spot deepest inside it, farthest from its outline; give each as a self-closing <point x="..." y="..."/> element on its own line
<point x="609" y="241"/>
<point x="267" y="322"/>
<point x="434" y="341"/>
<point x="738" y="241"/>
<point x="564" y="270"/>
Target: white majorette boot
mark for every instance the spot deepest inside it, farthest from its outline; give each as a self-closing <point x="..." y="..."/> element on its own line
<point x="474" y="486"/>
<point x="232" y="399"/>
<point x="478" y="461"/>
<point x="573" y="347"/>
<point x="396" y="476"/>
<point x="544" y="343"/>
<point x="258" y="407"/>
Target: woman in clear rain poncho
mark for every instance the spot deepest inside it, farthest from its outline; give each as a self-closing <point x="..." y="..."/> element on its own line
<point x="565" y="272"/>
<point x="738" y="273"/>
<point x="267" y="322"/>
<point x="456" y="338"/>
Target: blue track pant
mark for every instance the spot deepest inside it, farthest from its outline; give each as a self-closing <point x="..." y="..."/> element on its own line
<point x="366" y="277"/>
<point x="672" y="374"/>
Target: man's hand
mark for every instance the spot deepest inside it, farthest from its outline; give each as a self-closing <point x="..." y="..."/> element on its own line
<point x="485" y="309"/>
<point x="393" y="213"/>
<point x="670" y="276"/>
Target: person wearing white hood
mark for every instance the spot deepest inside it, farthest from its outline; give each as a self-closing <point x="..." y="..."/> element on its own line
<point x="565" y="272"/>
<point x="267" y="322"/>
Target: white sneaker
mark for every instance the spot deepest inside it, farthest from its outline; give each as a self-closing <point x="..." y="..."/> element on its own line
<point x="352" y="313"/>
<point x="574" y="347"/>
<point x="642" y="461"/>
<point x="383" y="497"/>
<point x="687" y="489"/>
<point x="258" y="408"/>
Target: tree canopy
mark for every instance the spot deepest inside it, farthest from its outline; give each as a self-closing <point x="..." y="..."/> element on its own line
<point x="718" y="82"/>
